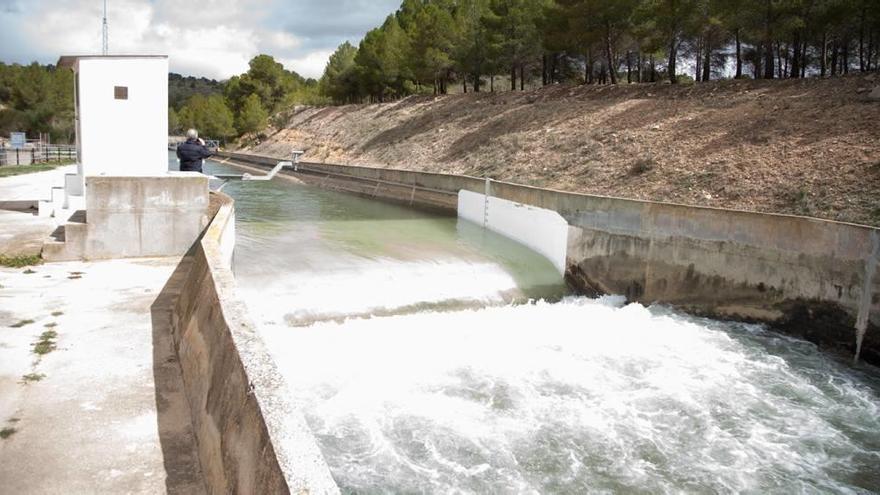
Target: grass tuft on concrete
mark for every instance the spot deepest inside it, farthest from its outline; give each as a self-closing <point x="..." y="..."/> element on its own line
<point x="46" y="344"/>
<point x="51" y="324"/>
<point x="32" y="377"/>
<point x="57" y="313"/>
<point x="20" y="261"/>
<point x="7" y="432"/>
<point x="21" y="323"/>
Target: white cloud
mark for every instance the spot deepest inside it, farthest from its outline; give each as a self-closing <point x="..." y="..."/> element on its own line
<point x="280" y="40"/>
<point x="213" y="38"/>
<point x="310" y="65"/>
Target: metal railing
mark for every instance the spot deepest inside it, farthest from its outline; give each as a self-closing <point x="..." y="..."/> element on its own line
<point x="37" y="154"/>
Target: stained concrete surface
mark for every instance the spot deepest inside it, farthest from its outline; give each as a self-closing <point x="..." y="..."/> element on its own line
<point x="108" y="416"/>
<point x="23" y="233"/>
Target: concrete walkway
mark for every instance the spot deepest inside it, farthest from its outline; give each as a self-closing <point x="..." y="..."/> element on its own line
<point x="33" y="186"/>
<point x="103" y="411"/>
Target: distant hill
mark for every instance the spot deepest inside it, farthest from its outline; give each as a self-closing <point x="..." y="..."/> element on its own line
<point x="181" y="88"/>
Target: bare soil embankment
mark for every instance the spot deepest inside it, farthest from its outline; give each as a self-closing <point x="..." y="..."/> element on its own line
<point x="805" y="147"/>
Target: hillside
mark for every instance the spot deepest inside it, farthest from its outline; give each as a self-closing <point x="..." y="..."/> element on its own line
<point x="806" y="147"/>
<point x="182" y="88"/>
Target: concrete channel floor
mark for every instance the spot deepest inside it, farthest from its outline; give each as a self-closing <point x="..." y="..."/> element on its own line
<point x="103" y="412"/>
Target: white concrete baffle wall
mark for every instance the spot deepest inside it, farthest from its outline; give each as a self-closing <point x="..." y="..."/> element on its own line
<point x="542" y="230"/>
<point x="121" y="104"/>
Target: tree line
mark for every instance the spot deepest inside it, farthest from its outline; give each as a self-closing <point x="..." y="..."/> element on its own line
<point x="37" y="100"/>
<point x="428" y="45"/>
<point x="244" y="103"/>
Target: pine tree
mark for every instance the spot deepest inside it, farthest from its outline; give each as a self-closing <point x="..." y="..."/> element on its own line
<point x="471" y="46"/>
<point x="339" y="81"/>
<point x="675" y="21"/>
<point x="252" y="116"/>
<point x="433" y="35"/>
<point x="513" y="34"/>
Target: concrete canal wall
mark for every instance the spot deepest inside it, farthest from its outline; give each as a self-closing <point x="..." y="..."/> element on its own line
<point x="814" y="278"/>
<point x="250" y="438"/>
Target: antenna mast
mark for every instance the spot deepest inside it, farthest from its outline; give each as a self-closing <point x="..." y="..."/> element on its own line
<point x="104" y="34"/>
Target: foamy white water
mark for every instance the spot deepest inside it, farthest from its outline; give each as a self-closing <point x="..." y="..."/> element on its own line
<point x="579" y="396"/>
<point x="377" y="287"/>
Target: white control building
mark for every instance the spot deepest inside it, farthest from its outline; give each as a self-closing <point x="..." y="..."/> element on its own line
<point x="122" y="201"/>
<point x="121" y="115"/>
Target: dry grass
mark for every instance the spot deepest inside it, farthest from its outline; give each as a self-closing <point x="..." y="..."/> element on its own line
<point x="738" y="144"/>
<point x="46" y="343"/>
<point x="33" y="377"/>
<point x="20" y="261"/>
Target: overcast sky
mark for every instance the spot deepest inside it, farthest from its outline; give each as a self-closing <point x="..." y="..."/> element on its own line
<point x="213" y="38"/>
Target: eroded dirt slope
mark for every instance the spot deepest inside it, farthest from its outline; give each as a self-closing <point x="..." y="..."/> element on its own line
<point x="808" y="147"/>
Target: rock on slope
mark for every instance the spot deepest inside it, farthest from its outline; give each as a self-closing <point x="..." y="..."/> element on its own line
<point x="807" y="147"/>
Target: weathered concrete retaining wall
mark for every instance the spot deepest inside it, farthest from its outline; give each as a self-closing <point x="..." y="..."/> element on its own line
<point x="144" y="216"/>
<point x="814" y="278"/>
<point x="135" y="216"/>
<point x="250" y="437"/>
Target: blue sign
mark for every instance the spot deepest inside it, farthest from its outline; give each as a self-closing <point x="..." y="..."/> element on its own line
<point x="17" y="139"/>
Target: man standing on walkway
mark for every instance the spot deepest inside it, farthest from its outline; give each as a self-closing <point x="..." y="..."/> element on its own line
<point x="192" y="152"/>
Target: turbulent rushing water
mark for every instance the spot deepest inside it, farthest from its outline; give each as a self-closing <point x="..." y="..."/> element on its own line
<point x="462" y="385"/>
<point x="582" y="395"/>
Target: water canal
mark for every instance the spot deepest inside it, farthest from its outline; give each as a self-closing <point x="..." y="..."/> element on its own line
<point x="430" y="356"/>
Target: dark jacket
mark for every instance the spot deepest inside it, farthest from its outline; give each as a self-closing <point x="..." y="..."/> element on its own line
<point x="191" y="154"/>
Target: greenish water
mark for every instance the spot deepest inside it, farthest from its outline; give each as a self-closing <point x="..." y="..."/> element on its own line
<point x="358" y="257"/>
<point x="397" y="335"/>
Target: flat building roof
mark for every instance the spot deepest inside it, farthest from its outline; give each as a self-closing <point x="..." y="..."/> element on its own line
<point x="68" y="61"/>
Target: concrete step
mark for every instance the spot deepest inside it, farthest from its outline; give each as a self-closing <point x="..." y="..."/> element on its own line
<point x="45" y="209"/>
<point x="58" y="198"/>
<point x="78" y="216"/>
<point x="67" y="242"/>
<point x="51" y="206"/>
<point x="59" y="251"/>
<point x="76" y="203"/>
<point x="61" y="214"/>
<point x="73" y="184"/>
